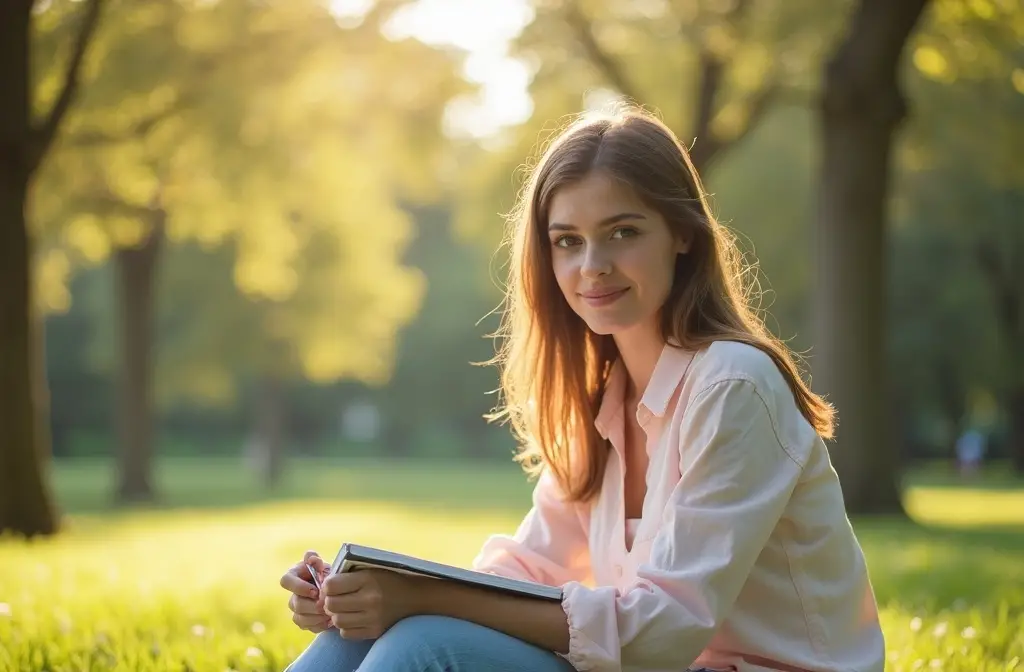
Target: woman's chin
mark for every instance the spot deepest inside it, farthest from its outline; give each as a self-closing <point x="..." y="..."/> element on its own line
<point x="608" y="326"/>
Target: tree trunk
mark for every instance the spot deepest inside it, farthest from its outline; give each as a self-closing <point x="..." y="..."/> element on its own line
<point x="861" y="108"/>
<point x="136" y="277"/>
<point x="1015" y="408"/>
<point x="270" y="428"/>
<point x="26" y="503"/>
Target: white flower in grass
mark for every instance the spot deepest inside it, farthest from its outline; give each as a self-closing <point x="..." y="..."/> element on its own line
<point x="253" y="652"/>
<point x="940" y="629"/>
<point x="258" y="628"/>
<point x="5" y="609"/>
<point x="968" y="633"/>
<point x="198" y="630"/>
<point x="915" y="624"/>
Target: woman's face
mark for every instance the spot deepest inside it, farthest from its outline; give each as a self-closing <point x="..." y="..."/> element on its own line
<point x="613" y="257"/>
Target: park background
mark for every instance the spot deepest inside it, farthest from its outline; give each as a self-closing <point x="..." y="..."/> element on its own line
<point x="250" y="261"/>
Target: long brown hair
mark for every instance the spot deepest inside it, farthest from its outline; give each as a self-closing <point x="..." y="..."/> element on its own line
<point x="554" y="370"/>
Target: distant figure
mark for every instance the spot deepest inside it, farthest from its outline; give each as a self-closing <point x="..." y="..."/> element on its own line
<point x="686" y="505"/>
<point x="970" y="451"/>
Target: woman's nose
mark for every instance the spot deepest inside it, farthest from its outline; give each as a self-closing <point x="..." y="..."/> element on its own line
<point x="595" y="262"/>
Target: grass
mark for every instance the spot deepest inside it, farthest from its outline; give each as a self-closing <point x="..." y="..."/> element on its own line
<point x="192" y="583"/>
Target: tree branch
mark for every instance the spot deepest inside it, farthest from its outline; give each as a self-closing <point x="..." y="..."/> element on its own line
<point x="712" y="71"/>
<point x="710" y="80"/>
<point x="598" y="57"/>
<point x="47" y="131"/>
<point x="94" y="138"/>
<point x="760" y="103"/>
<point x="106" y="201"/>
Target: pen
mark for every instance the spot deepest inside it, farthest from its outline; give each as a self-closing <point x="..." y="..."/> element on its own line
<point x="316" y="577"/>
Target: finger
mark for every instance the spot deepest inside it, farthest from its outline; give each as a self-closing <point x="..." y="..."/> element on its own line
<point x="298" y="581"/>
<point x="342" y="584"/>
<point x="351" y="620"/>
<point x="302" y="605"/>
<point x="311" y="557"/>
<point x="318" y="563"/>
<point x="352" y="603"/>
<point x="359" y="633"/>
<point x="311" y="623"/>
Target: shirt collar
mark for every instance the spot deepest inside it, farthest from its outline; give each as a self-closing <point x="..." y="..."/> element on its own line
<point x="668" y="373"/>
<point x="613" y="399"/>
<point x="665" y="379"/>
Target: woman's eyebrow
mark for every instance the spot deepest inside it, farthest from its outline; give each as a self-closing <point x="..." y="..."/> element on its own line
<point x="607" y="221"/>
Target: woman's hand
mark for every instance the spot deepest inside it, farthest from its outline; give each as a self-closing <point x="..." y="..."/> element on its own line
<point x="363" y="604"/>
<point x="306" y="603"/>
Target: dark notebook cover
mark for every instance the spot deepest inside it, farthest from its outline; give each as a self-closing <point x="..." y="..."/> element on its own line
<point x="354" y="556"/>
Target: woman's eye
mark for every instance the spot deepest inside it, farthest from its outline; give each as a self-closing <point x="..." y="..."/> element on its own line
<point x="624" y="232"/>
<point x="566" y="241"/>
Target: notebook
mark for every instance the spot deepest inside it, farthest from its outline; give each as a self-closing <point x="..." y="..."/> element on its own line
<point x="354" y="556"/>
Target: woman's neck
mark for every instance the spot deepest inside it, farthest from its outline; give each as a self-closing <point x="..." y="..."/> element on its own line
<point x="640" y="348"/>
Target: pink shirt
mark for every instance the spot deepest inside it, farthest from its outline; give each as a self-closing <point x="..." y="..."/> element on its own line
<point x="744" y="559"/>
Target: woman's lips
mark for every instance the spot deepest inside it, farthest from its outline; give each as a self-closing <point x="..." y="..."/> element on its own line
<point x="603" y="297"/>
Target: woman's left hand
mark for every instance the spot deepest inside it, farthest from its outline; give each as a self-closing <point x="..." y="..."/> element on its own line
<point x="365" y="603"/>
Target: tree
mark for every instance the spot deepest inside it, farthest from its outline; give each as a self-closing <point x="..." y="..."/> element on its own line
<point x="962" y="186"/>
<point x="26" y="504"/>
<point x="860" y="111"/>
<point x="712" y="68"/>
<point x="294" y="83"/>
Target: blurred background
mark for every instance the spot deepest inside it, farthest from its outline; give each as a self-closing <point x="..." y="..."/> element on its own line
<point x="261" y="238"/>
<point x="270" y="230"/>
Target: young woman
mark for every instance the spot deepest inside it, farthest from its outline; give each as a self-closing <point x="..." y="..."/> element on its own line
<point x="686" y="503"/>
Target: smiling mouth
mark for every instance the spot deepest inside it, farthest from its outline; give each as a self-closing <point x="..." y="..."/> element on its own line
<point x="604" y="298"/>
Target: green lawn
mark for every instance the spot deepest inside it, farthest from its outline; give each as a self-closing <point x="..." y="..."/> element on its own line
<point x="192" y="584"/>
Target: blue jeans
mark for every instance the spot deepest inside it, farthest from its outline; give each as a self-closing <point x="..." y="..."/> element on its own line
<point x="428" y="644"/>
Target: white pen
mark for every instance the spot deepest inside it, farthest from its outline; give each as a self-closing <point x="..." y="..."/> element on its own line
<point x="313" y="573"/>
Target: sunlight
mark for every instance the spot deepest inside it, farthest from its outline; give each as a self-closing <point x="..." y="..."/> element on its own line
<point x="483" y="28"/>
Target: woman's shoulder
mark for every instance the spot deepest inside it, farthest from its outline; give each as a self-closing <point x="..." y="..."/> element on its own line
<point x="755" y="372"/>
<point x="735" y="361"/>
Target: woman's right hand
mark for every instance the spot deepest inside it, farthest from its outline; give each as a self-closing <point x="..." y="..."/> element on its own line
<point x="306" y="603"/>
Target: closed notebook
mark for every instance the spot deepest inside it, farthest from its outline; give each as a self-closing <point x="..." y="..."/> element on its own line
<point x="354" y="556"/>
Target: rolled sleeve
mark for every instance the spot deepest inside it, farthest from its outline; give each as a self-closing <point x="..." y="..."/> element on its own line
<point x="736" y="480"/>
<point x="550" y="546"/>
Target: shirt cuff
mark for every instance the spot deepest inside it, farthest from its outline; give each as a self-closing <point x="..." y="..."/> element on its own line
<point x="586" y="611"/>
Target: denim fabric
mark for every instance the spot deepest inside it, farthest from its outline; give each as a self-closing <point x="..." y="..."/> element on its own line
<point x="428" y="644"/>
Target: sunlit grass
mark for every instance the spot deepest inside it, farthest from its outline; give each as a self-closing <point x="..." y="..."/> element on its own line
<point x="195" y="588"/>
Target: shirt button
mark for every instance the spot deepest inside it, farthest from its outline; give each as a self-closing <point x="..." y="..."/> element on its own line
<point x="618" y="571"/>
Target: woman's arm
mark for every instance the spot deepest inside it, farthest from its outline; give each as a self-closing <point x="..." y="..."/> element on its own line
<point x="736" y="480"/>
<point x="550" y="546"/>
<point x="539" y="622"/>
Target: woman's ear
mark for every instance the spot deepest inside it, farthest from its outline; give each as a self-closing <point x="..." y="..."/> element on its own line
<point x="684" y="242"/>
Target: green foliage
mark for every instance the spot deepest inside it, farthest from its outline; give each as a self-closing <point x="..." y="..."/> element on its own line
<point x="271" y="130"/>
<point x="958" y="246"/>
<point x="770" y="212"/>
<point x="111" y="593"/>
<point x="587" y="53"/>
